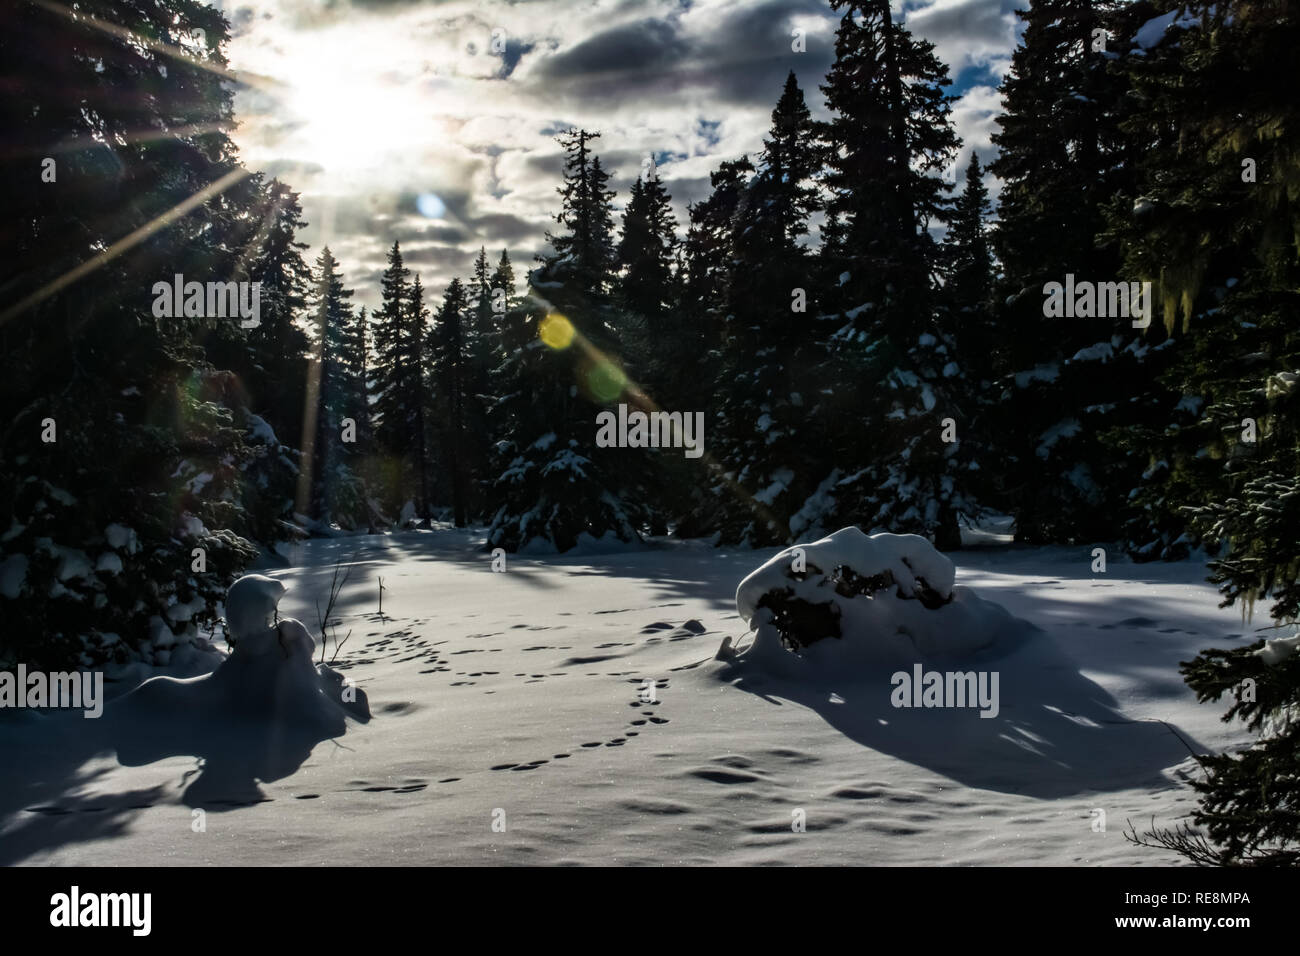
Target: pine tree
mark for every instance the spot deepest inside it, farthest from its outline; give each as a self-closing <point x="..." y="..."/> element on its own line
<point x="647" y="251"/>
<point x="969" y="256"/>
<point x="454" y="378"/>
<point x="501" y="379"/>
<point x="503" y="278"/>
<point x="889" y="137"/>
<point x="397" y="390"/>
<point x="561" y="367"/>
<point x="653" y="333"/>
<point x="119" y="455"/>
<point x="416" y="400"/>
<point x="789" y="163"/>
<point x="481" y="336"/>
<point x="1213" y="222"/>
<point x="583" y="259"/>
<point x="270" y="359"/>
<point x="480" y="333"/>
<point x="763" y="432"/>
<point x="1212" y="244"/>
<point x="1062" y="157"/>
<point x="356" y="364"/>
<point x="337" y="494"/>
<point x="707" y="272"/>
<point x="648" y="288"/>
<point x="968" y="299"/>
<point x="708" y="252"/>
<point x="278" y="377"/>
<point x="1055" y="136"/>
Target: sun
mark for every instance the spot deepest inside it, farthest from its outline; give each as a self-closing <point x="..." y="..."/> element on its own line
<point x="346" y="118"/>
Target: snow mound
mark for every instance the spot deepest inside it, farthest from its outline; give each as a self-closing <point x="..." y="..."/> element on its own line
<point x="861" y="600"/>
<point x="257" y="715"/>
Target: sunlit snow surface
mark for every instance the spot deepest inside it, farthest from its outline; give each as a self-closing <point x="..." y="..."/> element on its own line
<point x="576" y="701"/>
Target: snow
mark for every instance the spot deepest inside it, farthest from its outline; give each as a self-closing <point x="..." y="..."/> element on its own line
<point x="183" y="611"/>
<point x="121" y="537"/>
<point x="1062" y="429"/>
<point x="819" y="503"/>
<point x="73" y="563"/>
<point x="568" y="461"/>
<point x="543" y="672"/>
<point x="1151" y="33"/>
<point x="191" y="525"/>
<point x="260" y="429"/>
<point x="1279" y="649"/>
<point x="59" y="495"/>
<point x="781" y="479"/>
<point x="910" y="609"/>
<point x="407" y="513"/>
<point x="1100" y="352"/>
<point x="1040" y="373"/>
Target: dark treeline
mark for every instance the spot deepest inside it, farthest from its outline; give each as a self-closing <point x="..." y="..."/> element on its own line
<point x="850" y="367"/>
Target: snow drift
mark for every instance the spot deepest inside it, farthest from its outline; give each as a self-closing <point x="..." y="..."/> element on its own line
<point x="857" y="600"/>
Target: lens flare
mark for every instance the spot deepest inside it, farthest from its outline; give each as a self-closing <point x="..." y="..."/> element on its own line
<point x="606" y="381"/>
<point x="556" y="331"/>
<point x="430" y="206"/>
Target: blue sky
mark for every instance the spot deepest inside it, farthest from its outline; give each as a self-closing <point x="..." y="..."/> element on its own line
<point x="381" y="102"/>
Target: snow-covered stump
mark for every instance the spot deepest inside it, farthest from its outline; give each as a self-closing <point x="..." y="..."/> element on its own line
<point x="270" y="673"/>
<point x="854" y="601"/>
<point x="257" y="716"/>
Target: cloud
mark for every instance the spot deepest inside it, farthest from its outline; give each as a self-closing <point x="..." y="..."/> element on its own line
<point x="969" y="33"/>
<point x="632" y="48"/>
<point x="382" y="100"/>
<point x="975" y="118"/>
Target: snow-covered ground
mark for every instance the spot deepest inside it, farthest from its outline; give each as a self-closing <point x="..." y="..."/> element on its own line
<point x="511" y="723"/>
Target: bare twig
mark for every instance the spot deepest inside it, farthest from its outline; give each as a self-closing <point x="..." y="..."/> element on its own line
<point x="1181" y="839"/>
<point x="336" y="586"/>
<point x="338" y="646"/>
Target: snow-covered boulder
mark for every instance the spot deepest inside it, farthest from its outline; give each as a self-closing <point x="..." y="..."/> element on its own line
<point x="856" y="600"/>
